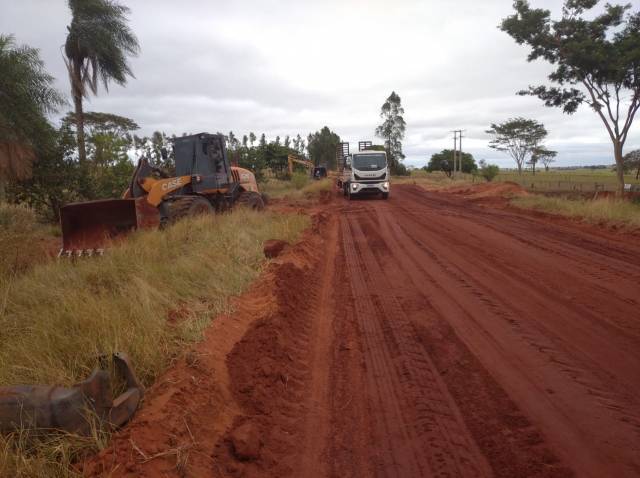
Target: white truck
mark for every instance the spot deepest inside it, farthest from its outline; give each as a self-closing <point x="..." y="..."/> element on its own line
<point x="365" y="172"/>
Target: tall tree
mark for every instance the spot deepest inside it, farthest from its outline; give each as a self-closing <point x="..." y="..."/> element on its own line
<point x="252" y="138"/>
<point x="632" y="161"/>
<point x="392" y="128"/>
<point x="518" y="137"/>
<point x="26" y="97"/>
<point x="297" y="143"/>
<point x="322" y="147"/>
<point x="443" y="161"/>
<point x="98" y="44"/>
<point x="109" y="140"/>
<point x="596" y="61"/>
<point x="56" y="177"/>
<point x="543" y="155"/>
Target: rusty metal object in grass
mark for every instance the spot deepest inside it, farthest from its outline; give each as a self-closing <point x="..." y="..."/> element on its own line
<point x="73" y="409"/>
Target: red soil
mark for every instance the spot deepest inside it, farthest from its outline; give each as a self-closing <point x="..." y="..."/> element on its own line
<point x="489" y="190"/>
<point x="425" y="335"/>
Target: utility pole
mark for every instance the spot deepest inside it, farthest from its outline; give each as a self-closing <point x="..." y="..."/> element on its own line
<point x="457" y="140"/>
<point x="455" y="146"/>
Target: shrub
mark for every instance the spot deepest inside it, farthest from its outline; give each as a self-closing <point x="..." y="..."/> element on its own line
<point x="299" y="180"/>
<point x="488" y="171"/>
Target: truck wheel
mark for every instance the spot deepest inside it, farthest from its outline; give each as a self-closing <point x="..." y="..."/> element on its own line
<point x="385" y="195"/>
<point x="252" y="200"/>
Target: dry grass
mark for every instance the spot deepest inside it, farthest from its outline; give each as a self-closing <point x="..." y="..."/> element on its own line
<point x="23" y="241"/>
<point x="608" y="211"/>
<point x="585" y="180"/>
<point x="300" y="185"/>
<point x="56" y="318"/>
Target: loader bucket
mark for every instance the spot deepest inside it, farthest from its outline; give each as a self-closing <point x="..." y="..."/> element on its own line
<point x="89" y="226"/>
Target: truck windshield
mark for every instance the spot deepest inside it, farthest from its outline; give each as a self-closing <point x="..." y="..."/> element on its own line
<point x="369" y="162"/>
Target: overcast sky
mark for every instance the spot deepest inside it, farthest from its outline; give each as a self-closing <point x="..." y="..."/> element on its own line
<point x="288" y="67"/>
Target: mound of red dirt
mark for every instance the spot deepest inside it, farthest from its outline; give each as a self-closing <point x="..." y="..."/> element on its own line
<point x="268" y="372"/>
<point x="490" y="190"/>
<point x="211" y="412"/>
<point x="273" y="248"/>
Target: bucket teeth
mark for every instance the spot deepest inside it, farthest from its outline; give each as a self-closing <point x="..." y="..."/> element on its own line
<point x="75" y="253"/>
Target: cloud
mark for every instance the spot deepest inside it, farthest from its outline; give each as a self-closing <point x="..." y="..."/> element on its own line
<point x="288" y="67"/>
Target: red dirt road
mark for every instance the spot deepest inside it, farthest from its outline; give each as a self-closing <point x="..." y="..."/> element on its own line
<point x="425" y="335"/>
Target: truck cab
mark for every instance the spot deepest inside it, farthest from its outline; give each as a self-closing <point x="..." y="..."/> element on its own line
<point x="365" y="172"/>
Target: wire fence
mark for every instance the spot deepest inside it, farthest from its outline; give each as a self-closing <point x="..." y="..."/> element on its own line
<point x="564" y="186"/>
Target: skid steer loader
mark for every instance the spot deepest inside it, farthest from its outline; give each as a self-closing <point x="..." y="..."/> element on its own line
<point x="205" y="183"/>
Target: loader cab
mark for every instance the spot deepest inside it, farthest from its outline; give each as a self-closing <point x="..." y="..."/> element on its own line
<point x="319" y="172"/>
<point x="203" y="155"/>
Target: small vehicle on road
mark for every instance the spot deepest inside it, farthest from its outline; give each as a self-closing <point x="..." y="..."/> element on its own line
<point x="365" y="172"/>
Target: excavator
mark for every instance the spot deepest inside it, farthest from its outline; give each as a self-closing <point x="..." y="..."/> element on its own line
<point x="204" y="183"/>
<point x="317" y="172"/>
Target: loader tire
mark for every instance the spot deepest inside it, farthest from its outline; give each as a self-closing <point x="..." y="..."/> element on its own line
<point x="251" y="200"/>
<point x="189" y="207"/>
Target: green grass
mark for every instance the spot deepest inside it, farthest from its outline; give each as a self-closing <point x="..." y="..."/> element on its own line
<point x="57" y="317"/>
<point x="607" y="211"/>
<point x="300" y="185"/>
<point x="567" y="180"/>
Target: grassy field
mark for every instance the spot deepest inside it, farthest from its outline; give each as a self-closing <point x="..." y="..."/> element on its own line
<point x="584" y="180"/>
<point x="570" y="180"/>
<point x="607" y="211"/>
<point x="55" y="318"/>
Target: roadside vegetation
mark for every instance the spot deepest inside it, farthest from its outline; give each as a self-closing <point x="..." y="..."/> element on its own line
<point x="24" y="241"/>
<point x="437" y="180"/>
<point x="150" y="296"/>
<point x="300" y="185"/>
<point x="605" y="211"/>
<point x="583" y="179"/>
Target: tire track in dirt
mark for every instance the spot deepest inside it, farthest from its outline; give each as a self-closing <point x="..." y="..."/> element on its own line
<point x="397" y="451"/>
<point x="316" y="428"/>
<point x="578" y="247"/>
<point x="426" y="244"/>
<point x="506" y="437"/>
<point x="440" y="431"/>
<point x="588" y="330"/>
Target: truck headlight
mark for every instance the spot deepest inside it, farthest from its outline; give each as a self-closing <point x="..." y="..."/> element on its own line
<point x="354" y="186"/>
<point x="385" y="185"/>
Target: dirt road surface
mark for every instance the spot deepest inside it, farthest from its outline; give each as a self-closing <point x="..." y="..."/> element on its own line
<point x="425" y="335"/>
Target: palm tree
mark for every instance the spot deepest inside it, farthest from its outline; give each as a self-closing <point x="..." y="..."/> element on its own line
<point x="26" y="97"/>
<point x="97" y="47"/>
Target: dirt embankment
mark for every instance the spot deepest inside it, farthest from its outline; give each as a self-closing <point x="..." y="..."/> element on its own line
<point x="246" y="365"/>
